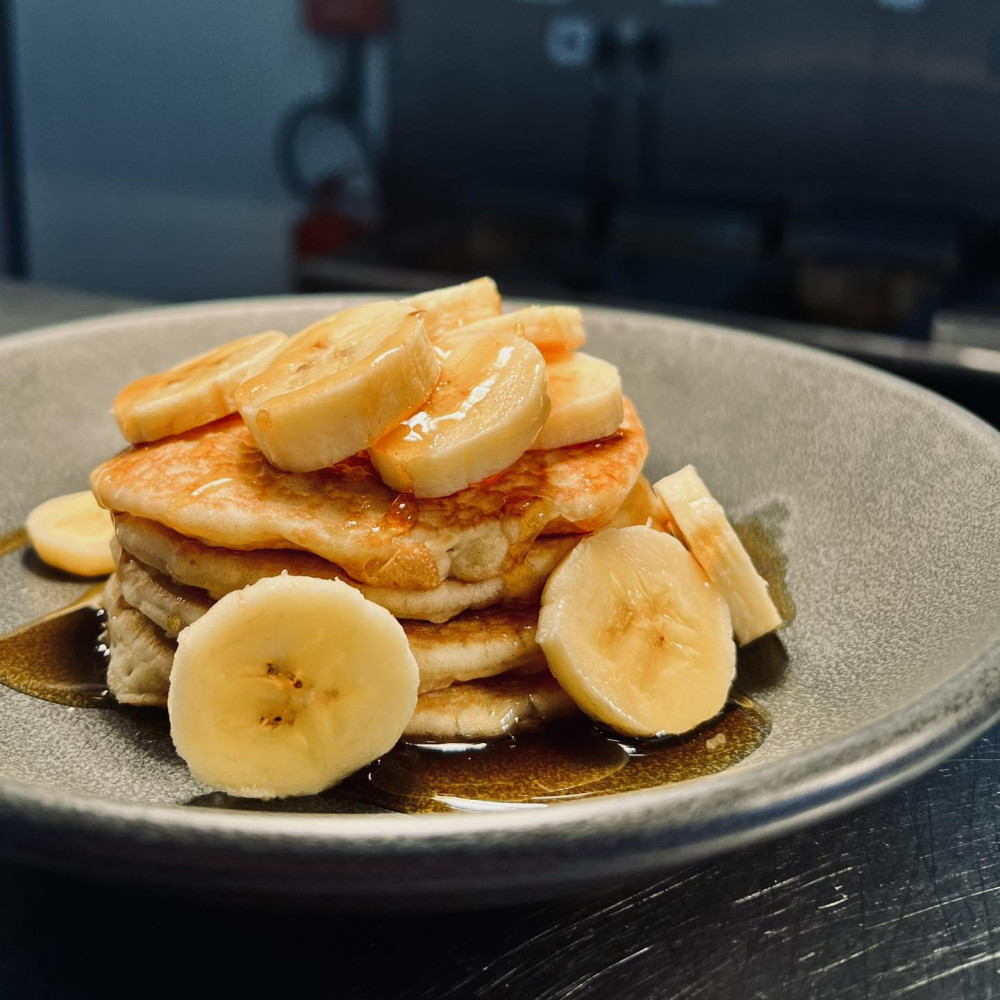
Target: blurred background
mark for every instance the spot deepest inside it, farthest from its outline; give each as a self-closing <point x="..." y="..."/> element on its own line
<point x="828" y="172"/>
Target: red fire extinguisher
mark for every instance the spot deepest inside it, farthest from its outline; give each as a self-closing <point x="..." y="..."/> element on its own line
<point x="327" y="228"/>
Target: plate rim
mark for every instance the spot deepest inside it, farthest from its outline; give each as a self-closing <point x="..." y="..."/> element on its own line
<point x="645" y="831"/>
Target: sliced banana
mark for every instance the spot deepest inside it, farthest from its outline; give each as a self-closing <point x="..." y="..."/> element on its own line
<point x="586" y="397"/>
<point x="339" y="385"/>
<point x="195" y="392"/>
<point x="554" y="330"/>
<point x="647" y="649"/>
<point x="449" y="308"/>
<point x="73" y="534"/>
<point x="702" y="526"/>
<point x="288" y="686"/>
<point x="488" y="406"/>
<point x="641" y="506"/>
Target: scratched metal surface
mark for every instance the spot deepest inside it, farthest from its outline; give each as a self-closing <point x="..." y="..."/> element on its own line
<point x="901" y="899"/>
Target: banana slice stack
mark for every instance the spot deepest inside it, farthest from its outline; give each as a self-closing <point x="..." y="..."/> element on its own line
<point x="508" y="565"/>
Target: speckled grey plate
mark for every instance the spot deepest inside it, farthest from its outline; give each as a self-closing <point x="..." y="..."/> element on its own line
<point x="883" y="497"/>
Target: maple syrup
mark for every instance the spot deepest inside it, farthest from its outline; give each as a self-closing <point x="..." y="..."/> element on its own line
<point x="61" y="658"/>
<point x="13" y="541"/>
<point x="565" y="762"/>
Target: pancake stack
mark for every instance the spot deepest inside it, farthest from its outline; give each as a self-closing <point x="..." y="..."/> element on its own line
<point x="201" y="512"/>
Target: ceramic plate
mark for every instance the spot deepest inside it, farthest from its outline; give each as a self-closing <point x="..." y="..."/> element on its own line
<point x="881" y="498"/>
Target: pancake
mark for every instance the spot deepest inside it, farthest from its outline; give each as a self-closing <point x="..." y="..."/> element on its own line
<point x="212" y="484"/>
<point x="219" y="571"/>
<point x="171" y="605"/>
<point x="486" y="709"/>
<point x="141" y="658"/>
<point x="140" y="655"/>
<point x="473" y="645"/>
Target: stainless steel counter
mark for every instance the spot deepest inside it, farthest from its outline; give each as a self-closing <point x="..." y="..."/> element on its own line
<point x="900" y="899"/>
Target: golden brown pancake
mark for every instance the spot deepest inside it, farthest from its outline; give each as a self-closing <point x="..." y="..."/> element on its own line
<point x="485" y="709"/>
<point x="212" y="484"/>
<point x="476" y="644"/>
<point x="140" y="657"/>
<point x="219" y="571"/>
<point x="473" y="645"/>
<point x="171" y="605"/>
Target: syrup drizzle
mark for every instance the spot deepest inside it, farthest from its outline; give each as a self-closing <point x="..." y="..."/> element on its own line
<point x="565" y="762"/>
<point x="13" y="541"/>
<point x="60" y="657"/>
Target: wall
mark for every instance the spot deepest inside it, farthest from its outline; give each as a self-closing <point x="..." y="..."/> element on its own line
<point x="147" y="129"/>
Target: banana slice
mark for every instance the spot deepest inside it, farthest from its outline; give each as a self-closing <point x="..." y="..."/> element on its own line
<point x="702" y="526"/>
<point x="489" y="405"/>
<point x="453" y="307"/>
<point x="641" y="506"/>
<point x="554" y="330"/>
<point x="339" y="385"/>
<point x="649" y="649"/>
<point x="586" y="397"/>
<point x="195" y="392"/>
<point x="288" y="686"/>
<point x="73" y="533"/>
